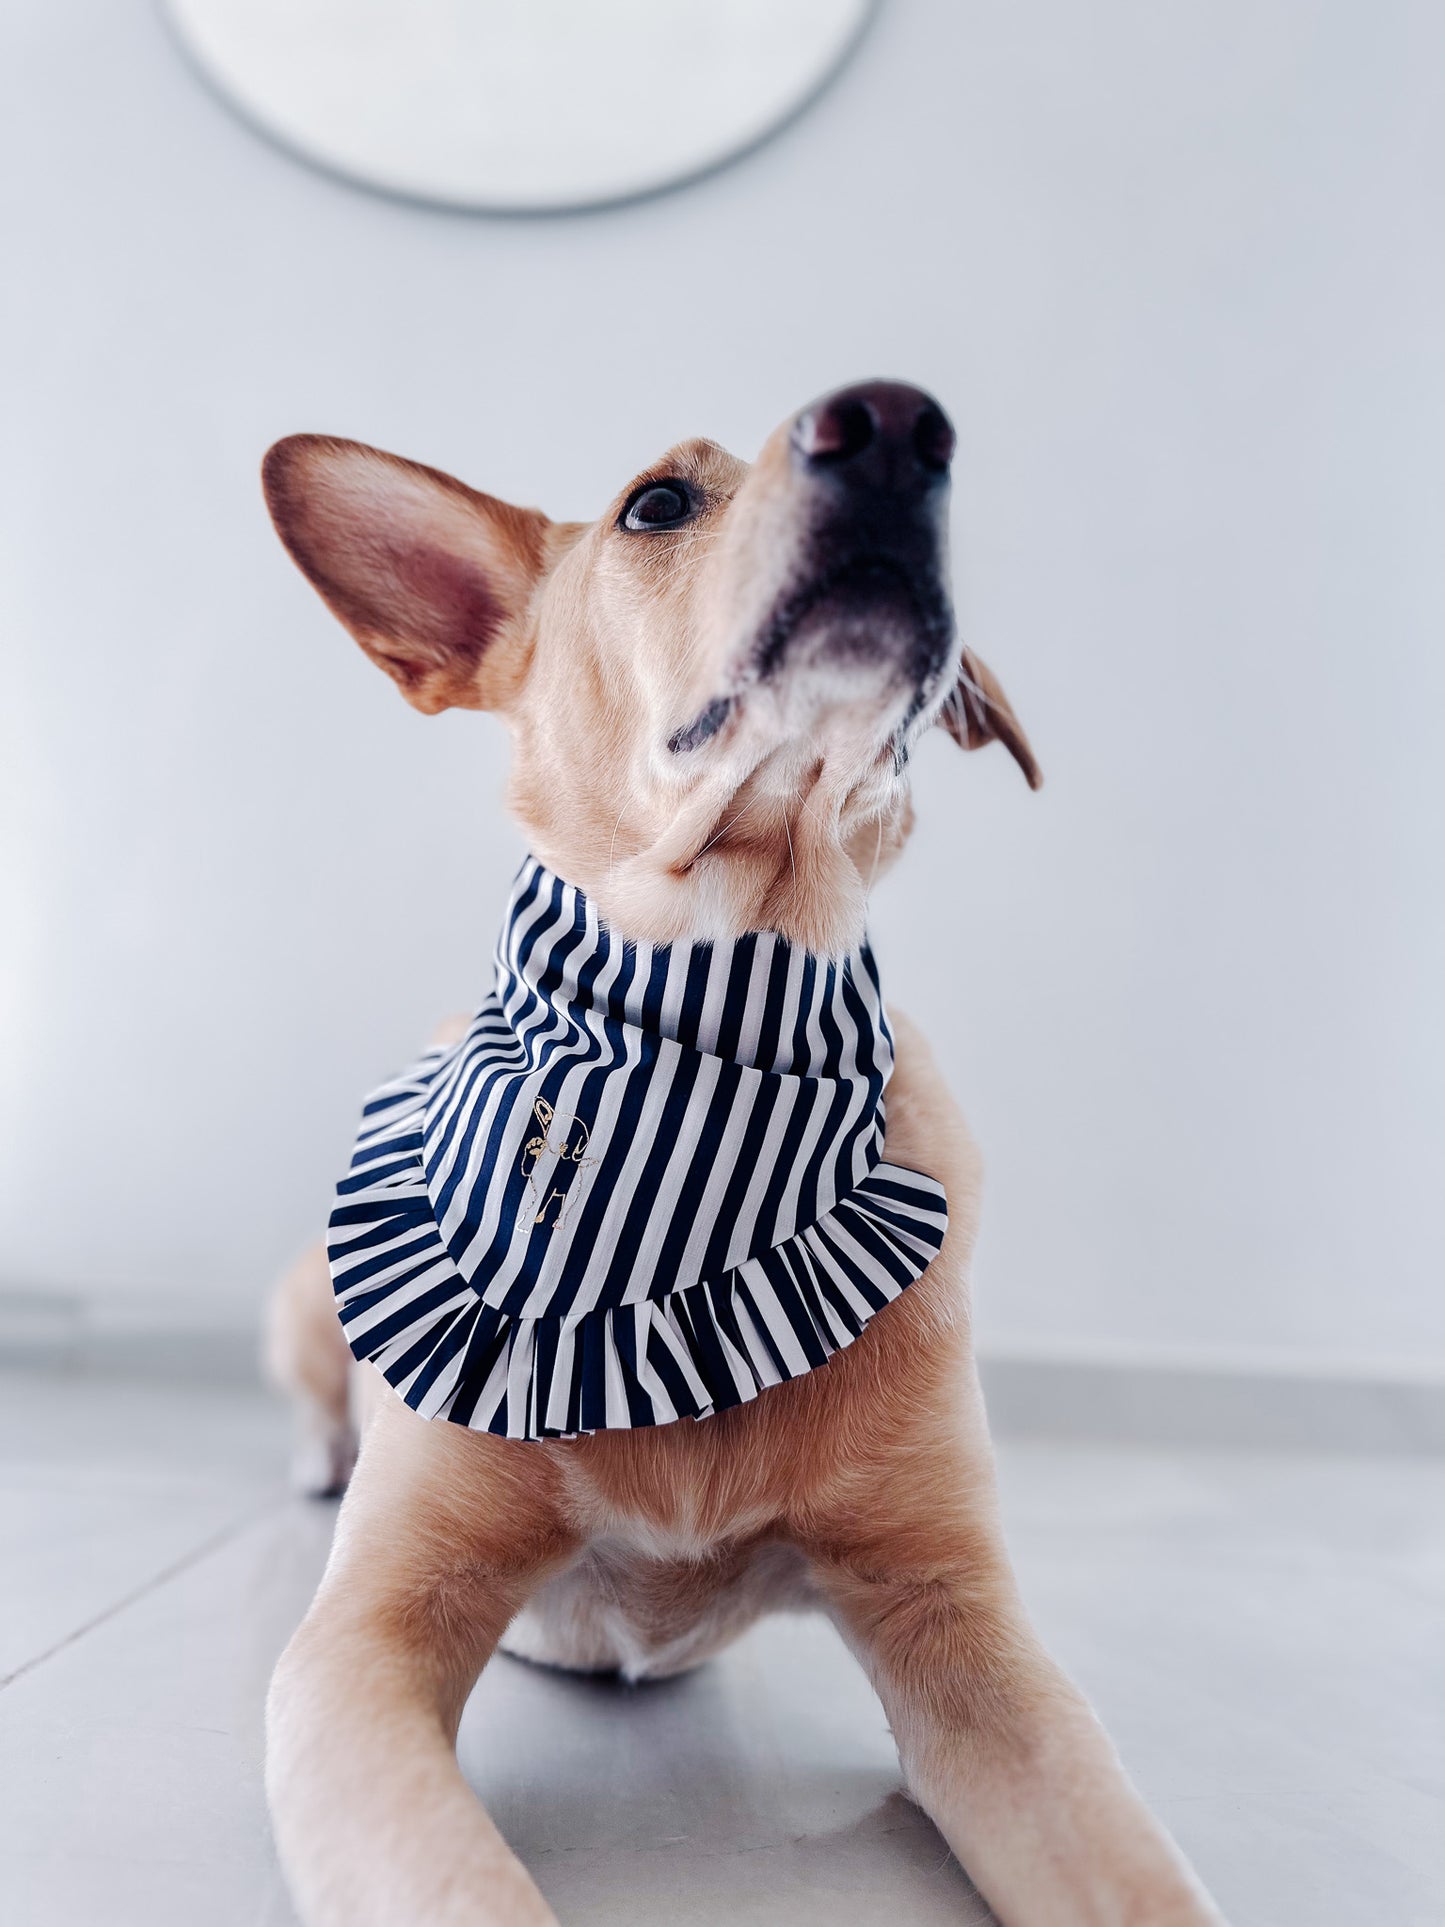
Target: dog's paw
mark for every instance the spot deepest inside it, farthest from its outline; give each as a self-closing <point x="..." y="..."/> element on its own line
<point x="322" y="1464"/>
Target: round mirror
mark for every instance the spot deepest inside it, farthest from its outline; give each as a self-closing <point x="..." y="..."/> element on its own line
<point x="518" y="105"/>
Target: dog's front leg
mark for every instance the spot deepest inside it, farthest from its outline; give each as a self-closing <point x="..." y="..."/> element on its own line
<point x="440" y="1539"/>
<point x="998" y="1746"/>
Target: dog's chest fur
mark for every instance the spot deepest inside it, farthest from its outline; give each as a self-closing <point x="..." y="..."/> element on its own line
<point x="649" y="1604"/>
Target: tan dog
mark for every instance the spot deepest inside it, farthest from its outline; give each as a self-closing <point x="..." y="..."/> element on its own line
<point x="713" y="691"/>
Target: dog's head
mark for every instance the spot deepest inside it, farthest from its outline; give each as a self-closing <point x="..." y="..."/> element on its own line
<point x="715" y="687"/>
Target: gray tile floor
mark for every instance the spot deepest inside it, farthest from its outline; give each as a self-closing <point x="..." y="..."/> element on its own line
<point x="1265" y="1636"/>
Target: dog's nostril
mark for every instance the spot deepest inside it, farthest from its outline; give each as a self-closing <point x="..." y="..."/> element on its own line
<point x="875" y="436"/>
<point x="834" y="431"/>
<point x="934" y="439"/>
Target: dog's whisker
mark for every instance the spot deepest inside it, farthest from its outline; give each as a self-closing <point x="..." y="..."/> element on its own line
<point x="877" y="857"/>
<point x="722" y="831"/>
<point x="612" y="846"/>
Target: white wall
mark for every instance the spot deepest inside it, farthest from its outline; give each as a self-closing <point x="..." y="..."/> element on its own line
<point x="1177" y="273"/>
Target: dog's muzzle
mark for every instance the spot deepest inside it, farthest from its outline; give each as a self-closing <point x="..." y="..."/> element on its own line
<point x="873" y="464"/>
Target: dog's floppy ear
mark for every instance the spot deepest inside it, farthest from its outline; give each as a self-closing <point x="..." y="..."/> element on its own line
<point x="431" y="578"/>
<point x="978" y="712"/>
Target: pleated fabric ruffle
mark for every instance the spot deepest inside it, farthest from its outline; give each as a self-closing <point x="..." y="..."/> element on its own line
<point x="687" y="1354"/>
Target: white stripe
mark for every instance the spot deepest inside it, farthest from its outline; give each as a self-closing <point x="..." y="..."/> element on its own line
<point x="624" y="1188"/>
<point x="679" y="1165"/>
<point x="755" y="1006"/>
<point x="746" y="1230"/>
<point x="439" y="1397"/>
<point x="714" y="997"/>
<point x="758" y="1352"/>
<point x="780" y="1328"/>
<point x="655" y="1391"/>
<point x="519" y="1378"/>
<point x="615" y="1392"/>
<point x="554" y="1418"/>
<point x="724" y="1163"/>
<point x="492" y="1394"/>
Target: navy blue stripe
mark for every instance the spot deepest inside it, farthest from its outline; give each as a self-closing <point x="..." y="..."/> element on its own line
<point x="802" y="1064"/>
<point x="694" y="996"/>
<point x="764" y="1093"/>
<point x="740" y="970"/>
<point x="380" y="1335"/>
<point x="784" y="1172"/>
<point x="660" y="1357"/>
<point x="809" y="1175"/>
<point x="433" y="1352"/>
<point x="631" y="1239"/>
<point x="426" y="1245"/>
<point x="696" y="1178"/>
<point x="775" y="1009"/>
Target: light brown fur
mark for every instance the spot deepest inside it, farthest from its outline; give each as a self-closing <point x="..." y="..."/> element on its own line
<point x="866" y="1487"/>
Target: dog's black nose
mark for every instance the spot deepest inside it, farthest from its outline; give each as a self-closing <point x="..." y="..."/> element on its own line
<point x="879" y="434"/>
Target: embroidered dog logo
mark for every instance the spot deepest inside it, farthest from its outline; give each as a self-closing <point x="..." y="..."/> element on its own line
<point x="553" y="1160"/>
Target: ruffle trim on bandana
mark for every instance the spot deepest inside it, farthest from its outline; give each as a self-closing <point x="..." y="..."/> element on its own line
<point x="696" y="1351"/>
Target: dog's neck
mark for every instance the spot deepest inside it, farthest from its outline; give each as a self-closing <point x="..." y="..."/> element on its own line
<point x="750" y="998"/>
<point x="800" y="864"/>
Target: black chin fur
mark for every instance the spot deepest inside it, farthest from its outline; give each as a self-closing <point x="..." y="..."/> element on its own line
<point x="704" y="725"/>
<point x="924" y="632"/>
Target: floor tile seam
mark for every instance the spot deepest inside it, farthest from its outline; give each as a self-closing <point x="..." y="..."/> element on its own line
<point x="193" y="1557"/>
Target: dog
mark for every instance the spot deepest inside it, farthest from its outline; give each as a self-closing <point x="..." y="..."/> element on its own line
<point x="713" y="692"/>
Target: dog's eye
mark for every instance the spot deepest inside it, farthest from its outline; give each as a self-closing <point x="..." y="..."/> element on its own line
<point x="661" y="505"/>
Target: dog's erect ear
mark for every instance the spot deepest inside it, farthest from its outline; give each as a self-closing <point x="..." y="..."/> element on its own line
<point x="431" y="578"/>
<point x="978" y="712"/>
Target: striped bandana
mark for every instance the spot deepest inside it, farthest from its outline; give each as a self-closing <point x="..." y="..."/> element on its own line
<point x="647" y="1184"/>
